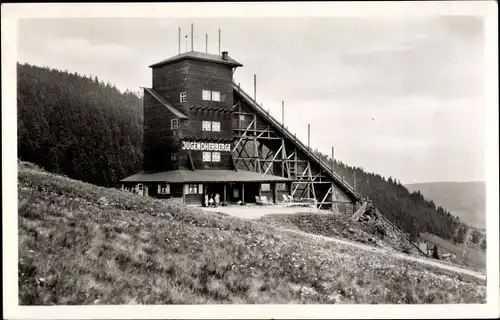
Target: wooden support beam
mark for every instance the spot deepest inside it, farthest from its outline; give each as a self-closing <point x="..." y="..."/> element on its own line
<point x="324" y="198"/>
<point x="295" y="161"/>
<point x="225" y="192"/>
<point x="255" y="142"/>
<point x="358" y="213"/>
<point x="184" y="187"/>
<point x="242" y="113"/>
<point x="275" y="192"/>
<point x="312" y="184"/>
<point x="239" y="141"/>
<point x="301" y="176"/>
<point x="243" y="150"/>
<point x="271" y="164"/>
<point x="242" y="192"/>
<point x="283" y="157"/>
<point x="308" y="138"/>
<point x="260" y="137"/>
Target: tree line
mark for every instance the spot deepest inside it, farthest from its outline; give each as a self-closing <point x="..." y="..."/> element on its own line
<point x="78" y="126"/>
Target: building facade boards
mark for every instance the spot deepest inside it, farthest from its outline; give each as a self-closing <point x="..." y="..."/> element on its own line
<point x="204" y="136"/>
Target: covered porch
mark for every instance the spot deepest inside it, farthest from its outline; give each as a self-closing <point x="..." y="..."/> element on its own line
<point x="191" y="187"/>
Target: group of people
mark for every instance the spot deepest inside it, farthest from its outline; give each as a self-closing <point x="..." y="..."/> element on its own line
<point x="212" y="200"/>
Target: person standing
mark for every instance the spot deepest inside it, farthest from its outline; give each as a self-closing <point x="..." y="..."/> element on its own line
<point x="211" y="200"/>
<point x="217" y="199"/>
<point x="206" y="199"/>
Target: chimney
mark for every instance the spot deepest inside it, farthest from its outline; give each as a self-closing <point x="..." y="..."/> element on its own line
<point x="224" y="55"/>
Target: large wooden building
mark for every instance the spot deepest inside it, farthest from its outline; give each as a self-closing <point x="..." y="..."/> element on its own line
<point x="204" y="135"/>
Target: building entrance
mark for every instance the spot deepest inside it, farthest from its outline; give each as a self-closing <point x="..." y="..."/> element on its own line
<point x="212" y="189"/>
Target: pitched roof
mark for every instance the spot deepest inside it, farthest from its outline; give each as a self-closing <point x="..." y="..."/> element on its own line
<point x="183" y="176"/>
<point x="167" y="104"/>
<point x="198" y="56"/>
<point x="279" y="127"/>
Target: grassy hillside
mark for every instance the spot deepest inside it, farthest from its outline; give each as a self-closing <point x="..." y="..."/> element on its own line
<point x="83" y="244"/>
<point x="475" y="257"/>
<point x="466" y="200"/>
<point x="340" y="226"/>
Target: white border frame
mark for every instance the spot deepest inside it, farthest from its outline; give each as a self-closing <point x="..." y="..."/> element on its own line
<point x="12" y="12"/>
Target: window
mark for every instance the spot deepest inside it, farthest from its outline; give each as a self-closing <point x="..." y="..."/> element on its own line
<point x="207" y="157"/>
<point x="174" y="124"/>
<point x="193" y="189"/>
<point x="206" y="95"/>
<point x="216" y="126"/>
<point x="164" y="188"/>
<point x="265" y="187"/>
<point x="215" y="156"/>
<point x="174" y="156"/>
<point x="215" y="96"/>
<point x="242" y="117"/>
<point x="184" y="97"/>
<point x="207" y="126"/>
<point x="281" y="186"/>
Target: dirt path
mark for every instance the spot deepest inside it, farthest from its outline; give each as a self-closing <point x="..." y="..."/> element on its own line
<point x="250" y="212"/>
<point x="394" y="254"/>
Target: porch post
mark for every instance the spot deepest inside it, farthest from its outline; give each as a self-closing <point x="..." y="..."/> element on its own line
<point x="243" y="192"/>
<point x="333" y="195"/>
<point x="275" y="192"/>
<point x="224" y="193"/>
<point x="184" y="194"/>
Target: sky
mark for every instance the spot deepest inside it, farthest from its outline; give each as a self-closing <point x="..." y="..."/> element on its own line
<point x="401" y="97"/>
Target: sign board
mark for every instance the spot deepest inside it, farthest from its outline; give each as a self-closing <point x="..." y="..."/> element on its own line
<point x="205" y="146"/>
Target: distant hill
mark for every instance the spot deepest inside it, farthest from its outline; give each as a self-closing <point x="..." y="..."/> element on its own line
<point x="466" y="200"/>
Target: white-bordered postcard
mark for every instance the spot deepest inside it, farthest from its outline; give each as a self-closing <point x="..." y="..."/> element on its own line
<point x="250" y="160"/>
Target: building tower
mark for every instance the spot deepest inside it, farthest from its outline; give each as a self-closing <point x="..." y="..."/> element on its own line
<point x="188" y="133"/>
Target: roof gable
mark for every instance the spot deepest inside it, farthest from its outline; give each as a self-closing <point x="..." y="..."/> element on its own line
<point x="167" y="104"/>
<point x="198" y="56"/>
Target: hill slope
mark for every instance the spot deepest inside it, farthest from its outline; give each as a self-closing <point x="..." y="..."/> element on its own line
<point x="466" y="200"/>
<point x="82" y="244"/>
